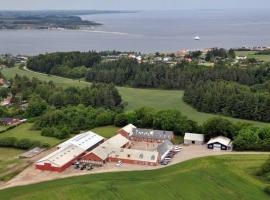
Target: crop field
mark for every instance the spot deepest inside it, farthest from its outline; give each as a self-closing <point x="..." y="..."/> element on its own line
<point x="25" y="131"/>
<point x="251" y="54"/>
<point x="135" y="98"/>
<point x="10" y="164"/>
<point x="225" y="177"/>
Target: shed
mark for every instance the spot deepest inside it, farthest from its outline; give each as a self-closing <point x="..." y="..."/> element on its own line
<point x="220" y="143"/>
<point x="193" y="138"/>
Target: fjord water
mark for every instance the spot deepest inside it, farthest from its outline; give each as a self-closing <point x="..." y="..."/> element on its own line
<point x="148" y="31"/>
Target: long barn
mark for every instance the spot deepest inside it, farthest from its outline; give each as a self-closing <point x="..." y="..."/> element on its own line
<point x="69" y="151"/>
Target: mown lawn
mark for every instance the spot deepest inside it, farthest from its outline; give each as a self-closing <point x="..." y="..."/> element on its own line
<point x="251" y="54"/>
<point x="106" y="131"/>
<point x="222" y="178"/>
<point x="25" y="131"/>
<point x="135" y="98"/>
<point x="10" y="164"/>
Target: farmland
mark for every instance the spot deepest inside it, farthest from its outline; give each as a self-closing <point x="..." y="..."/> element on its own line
<point x="224" y="177"/>
<point x="135" y="98"/>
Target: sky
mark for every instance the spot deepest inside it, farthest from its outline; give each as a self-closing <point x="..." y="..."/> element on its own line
<point x="130" y="4"/>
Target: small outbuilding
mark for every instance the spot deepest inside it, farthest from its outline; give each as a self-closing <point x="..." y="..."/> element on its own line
<point x="220" y="143"/>
<point x="193" y="138"/>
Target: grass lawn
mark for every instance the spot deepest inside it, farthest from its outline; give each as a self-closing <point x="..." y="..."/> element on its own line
<point x="10" y="164"/>
<point x="251" y="54"/>
<point x="136" y="98"/>
<point x="24" y="131"/>
<point x="106" y="131"/>
<point x="222" y="178"/>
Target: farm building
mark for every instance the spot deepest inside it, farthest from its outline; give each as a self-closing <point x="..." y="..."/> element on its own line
<point x="69" y="151"/>
<point x="125" y="131"/>
<point x="100" y="154"/>
<point x="11" y="121"/>
<point x="148" y="135"/>
<point x="133" y="156"/>
<point x="85" y="140"/>
<point x="193" y="138"/>
<point x="164" y="148"/>
<point x="220" y="143"/>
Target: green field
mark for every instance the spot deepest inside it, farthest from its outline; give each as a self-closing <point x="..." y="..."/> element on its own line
<point x="136" y="98"/>
<point x="216" y="178"/>
<point x="10" y="164"/>
<point x="251" y="54"/>
<point x="25" y="131"/>
<point x="106" y="131"/>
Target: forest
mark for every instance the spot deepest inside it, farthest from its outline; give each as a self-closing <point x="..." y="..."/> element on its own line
<point x="229" y="98"/>
<point x="240" y="90"/>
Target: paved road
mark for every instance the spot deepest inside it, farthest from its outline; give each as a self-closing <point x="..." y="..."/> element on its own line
<point x="31" y="175"/>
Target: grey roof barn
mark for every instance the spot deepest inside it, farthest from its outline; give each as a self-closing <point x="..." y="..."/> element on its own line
<point x="151" y="134"/>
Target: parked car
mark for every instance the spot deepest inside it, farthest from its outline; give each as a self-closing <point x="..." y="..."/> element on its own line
<point x="119" y="163"/>
<point x="164" y="162"/>
<point x="83" y="166"/>
<point x="89" y="167"/>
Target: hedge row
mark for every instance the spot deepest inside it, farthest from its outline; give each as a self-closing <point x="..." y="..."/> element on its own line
<point x="21" y="143"/>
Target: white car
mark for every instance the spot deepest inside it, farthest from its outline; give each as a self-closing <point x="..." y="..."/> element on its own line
<point x="119" y="163"/>
<point x="167" y="158"/>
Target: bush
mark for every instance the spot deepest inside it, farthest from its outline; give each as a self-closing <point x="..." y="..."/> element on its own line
<point x="48" y="132"/>
<point x="27" y="144"/>
<point x="8" y="142"/>
<point x="21" y="144"/>
<point x="120" y="120"/>
<point x="104" y="119"/>
<point x="267" y="189"/>
<point x="218" y="126"/>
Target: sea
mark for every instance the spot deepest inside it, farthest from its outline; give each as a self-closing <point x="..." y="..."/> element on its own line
<point x="148" y="31"/>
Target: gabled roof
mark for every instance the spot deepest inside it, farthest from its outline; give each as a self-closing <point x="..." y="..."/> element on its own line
<point x="134" y="154"/>
<point x="84" y="140"/>
<point x="152" y="134"/>
<point x="71" y="149"/>
<point x="128" y="128"/>
<point x="194" y="137"/>
<point x="61" y="156"/>
<point x="104" y="149"/>
<point x="220" y="139"/>
<point x="164" y="148"/>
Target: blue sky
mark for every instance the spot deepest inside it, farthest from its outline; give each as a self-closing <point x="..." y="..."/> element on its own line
<point x="131" y="4"/>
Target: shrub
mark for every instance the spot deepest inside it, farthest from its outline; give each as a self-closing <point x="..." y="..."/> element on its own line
<point x="120" y="120"/>
<point x="8" y="142"/>
<point x="267" y="189"/>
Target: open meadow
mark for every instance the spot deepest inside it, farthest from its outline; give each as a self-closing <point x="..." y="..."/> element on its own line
<point x="135" y="98"/>
<point x="25" y="131"/>
<point x="10" y="164"/>
<point x="224" y="177"/>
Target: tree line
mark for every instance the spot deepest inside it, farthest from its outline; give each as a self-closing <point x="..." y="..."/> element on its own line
<point x="229" y="98"/>
<point x="96" y="95"/>
<point x="70" y="64"/>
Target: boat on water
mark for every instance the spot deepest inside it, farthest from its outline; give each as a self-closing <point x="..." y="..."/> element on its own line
<point x="197" y="38"/>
